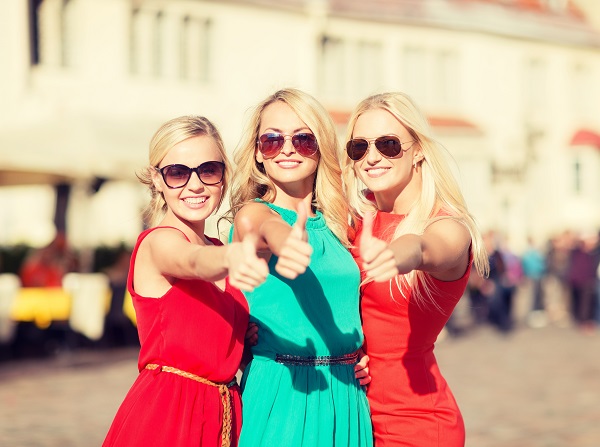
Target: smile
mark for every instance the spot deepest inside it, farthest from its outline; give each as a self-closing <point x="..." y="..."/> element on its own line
<point x="194" y="200"/>
<point x="376" y="172"/>
<point x="288" y="164"/>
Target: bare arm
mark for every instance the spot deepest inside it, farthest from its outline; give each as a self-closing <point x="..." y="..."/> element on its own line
<point x="173" y="256"/>
<point x="442" y="251"/>
<point x="272" y="229"/>
<point x="288" y="243"/>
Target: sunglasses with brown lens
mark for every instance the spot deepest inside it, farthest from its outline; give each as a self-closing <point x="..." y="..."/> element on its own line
<point x="177" y="175"/>
<point x="270" y="144"/>
<point x="389" y="146"/>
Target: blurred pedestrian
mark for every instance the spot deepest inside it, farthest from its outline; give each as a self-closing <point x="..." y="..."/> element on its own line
<point x="46" y="266"/>
<point x="598" y="293"/>
<point x="534" y="268"/>
<point x="595" y="254"/>
<point x="119" y="330"/>
<point x="300" y="389"/>
<point x="191" y="318"/>
<point x="415" y="244"/>
<point x="582" y="282"/>
<point x="511" y="281"/>
<point x="479" y="289"/>
<point x="556" y="288"/>
<point x="499" y="299"/>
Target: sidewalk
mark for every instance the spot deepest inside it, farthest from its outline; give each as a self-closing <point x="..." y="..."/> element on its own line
<point x="533" y="388"/>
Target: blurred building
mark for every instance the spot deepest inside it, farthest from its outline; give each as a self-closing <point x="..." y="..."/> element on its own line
<point x="510" y="86"/>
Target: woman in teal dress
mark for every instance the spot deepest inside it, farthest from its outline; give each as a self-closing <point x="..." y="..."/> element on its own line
<point x="300" y="389"/>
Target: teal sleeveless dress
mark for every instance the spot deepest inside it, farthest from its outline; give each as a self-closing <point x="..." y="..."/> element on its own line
<point x="316" y="314"/>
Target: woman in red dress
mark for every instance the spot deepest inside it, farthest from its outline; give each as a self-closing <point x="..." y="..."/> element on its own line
<point x="415" y="244"/>
<point x="191" y="317"/>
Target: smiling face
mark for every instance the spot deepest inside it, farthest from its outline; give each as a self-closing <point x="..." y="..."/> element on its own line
<point x="194" y="202"/>
<point x="388" y="178"/>
<point x="291" y="173"/>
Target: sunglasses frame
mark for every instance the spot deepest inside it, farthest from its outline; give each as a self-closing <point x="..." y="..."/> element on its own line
<point x="375" y="142"/>
<point x="297" y="145"/>
<point x="197" y="169"/>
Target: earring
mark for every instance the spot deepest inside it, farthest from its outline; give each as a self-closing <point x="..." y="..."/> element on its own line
<point x="415" y="165"/>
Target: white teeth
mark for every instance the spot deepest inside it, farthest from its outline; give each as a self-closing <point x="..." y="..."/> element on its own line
<point x="377" y="171"/>
<point x="288" y="163"/>
<point x="194" y="200"/>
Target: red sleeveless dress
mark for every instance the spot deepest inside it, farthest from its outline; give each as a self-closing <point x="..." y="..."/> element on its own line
<point x="194" y="327"/>
<point x="411" y="404"/>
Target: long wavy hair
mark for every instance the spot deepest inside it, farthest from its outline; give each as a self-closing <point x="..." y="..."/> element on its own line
<point x="251" y="181"/>
<point x="168" y="135"/>
<point x="440" y="190"/>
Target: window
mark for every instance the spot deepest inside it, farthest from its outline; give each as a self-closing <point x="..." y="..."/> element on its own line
<point x="582" y="92"/>
<point x="535" y="85"/>
<point x="34" y="31"/>
<point x="332" y="67"/>
<point x="158" y="37"/>
<point x="368" y="67"/>
<point x="445" y="83"/>
<point x="53" y="33"/>
<point x="141" y="54"/>
<point x="414" y="71"/>
<point x="68" y="37"/>
<point x="147" y="29"/>
<point x="194" y="46"/>
<point x="183" y="42"/>
<point x="577" y="176"/>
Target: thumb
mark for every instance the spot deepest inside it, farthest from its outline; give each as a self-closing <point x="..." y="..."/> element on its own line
<point x="250" y="239"/>
<point x="299" y="228"/>
<point x="367" y="231"/>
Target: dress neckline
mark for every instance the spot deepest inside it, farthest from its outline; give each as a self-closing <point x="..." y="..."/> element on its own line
<point x="290" y="216"/>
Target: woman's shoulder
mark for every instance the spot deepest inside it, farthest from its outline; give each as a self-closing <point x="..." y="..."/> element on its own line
<point x="452" y="232"/>
<point x="256" y="209"/>
<point x="253" y="213"/>
<point x="161" y="232"/>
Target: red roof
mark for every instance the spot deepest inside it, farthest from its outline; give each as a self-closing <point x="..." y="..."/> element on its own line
<point x="412" y="7"/>
<point x="341" y="117"/>
<point x="586" y="137"/>
<point x="451" y="122"/>
<point x="539" y="20"/>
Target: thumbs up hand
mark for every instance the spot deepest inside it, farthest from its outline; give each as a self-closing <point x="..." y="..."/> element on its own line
<point x="294" y="256"/>
<point x="378" y="259"/>
<point x="246" y="270"/>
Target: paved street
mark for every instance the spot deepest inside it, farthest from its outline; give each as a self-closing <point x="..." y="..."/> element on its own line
<point x="533" y="388"/>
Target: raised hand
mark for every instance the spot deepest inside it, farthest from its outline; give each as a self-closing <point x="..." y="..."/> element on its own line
<point x="251" y="336"/>
<point x="246" y="270"/>
<point x="294" y="256"/>
<point x="378" y="259"/>
<point x="250" y="339"/>
<point x="361" y="369"/>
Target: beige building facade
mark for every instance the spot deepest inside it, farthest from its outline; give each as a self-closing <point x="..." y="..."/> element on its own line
<point x="511" y="88"/>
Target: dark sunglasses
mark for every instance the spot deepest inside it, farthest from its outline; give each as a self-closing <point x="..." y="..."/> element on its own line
<point x="389" y="146"/>
<point x="177" y="176"/>
<point x="270" y="144"/>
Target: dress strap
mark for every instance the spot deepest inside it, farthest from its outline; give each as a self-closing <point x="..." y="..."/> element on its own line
<point x="223" y="391"/>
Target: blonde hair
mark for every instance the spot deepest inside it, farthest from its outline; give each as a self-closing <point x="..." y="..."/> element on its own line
<point x="251" y="181"/>
<point x="440" y="189"/>
<point x="168" y="135"/>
